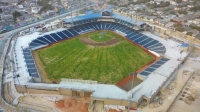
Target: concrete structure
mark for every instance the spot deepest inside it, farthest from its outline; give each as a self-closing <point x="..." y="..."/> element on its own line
<point x="109" y="94"/>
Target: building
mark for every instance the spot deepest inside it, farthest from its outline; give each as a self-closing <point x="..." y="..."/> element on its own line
<point x="185" y="18"/>
<point x="10" y="1"/>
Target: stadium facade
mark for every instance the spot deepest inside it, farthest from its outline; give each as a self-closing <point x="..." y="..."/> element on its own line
<point x="155" y="77"/>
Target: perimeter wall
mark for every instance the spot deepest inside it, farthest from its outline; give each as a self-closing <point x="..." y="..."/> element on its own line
<point x="74" y="93"/>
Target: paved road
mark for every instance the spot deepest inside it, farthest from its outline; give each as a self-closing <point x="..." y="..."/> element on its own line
<point x="2" y="45"/>
<point x="7" y="34"/>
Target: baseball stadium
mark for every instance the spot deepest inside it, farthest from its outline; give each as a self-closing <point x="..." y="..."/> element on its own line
<point x="105" y="56"/>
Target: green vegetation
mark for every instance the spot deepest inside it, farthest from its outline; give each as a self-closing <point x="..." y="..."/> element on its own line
<point x="99" y="37"/>
<point x="139" y="1"/>
<point x="76" y="60"/>
<point x="178" y="1"/>
<point x="189" y="33"/>
<point x="179" y="27"/>
<point x="112" y="2"/>
<point x="195" y="8"/>
<point x="195" y="27"/>
<point x="16" y="15"/>
<point x="45" y="5"/>
<point x="182" y="12"/>
<point x="155" y="5"/>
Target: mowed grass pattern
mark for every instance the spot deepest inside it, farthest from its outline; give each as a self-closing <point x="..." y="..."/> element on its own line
<point x="75" y="60"/>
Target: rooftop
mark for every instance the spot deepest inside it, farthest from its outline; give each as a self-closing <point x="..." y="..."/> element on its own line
<point x="98" y="15"/>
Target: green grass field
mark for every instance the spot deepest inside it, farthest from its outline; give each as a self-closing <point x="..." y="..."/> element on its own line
<point x="75" y="60"/>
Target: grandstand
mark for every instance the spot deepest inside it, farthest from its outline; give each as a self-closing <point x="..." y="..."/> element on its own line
<point x="159" y="73"/>
<point x="127" y="31"/>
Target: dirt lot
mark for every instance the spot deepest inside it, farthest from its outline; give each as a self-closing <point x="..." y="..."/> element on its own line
<point x="40" y="68"/>
<point x="73" y="105"/>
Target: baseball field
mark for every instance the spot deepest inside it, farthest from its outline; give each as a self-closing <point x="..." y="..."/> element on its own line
<point x="102" y="56"/>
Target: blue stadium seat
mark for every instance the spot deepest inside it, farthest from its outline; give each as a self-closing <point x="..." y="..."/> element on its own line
<point x="164" y="59"/>
<point x="86" y="26"/>
<point x="98" y="26"/>
<point x="30" y="65"/>
<point x="35" y="74"/>
<point x="94" y="26"/>
<point x="43" y="40"/>
<point x="73" y="32"/>
<point x="160" y="52"/>
<point x="116" y="27"/>
<point x="141" y="38"/>
<point x="159" y="62"/>
<point x="28" y="57"/>
<point x="145" y="73"/>
<point x="155" y="66"/>
<point x="112" y="26"/>
<point x="32" y="70"/>
<point x="132" y="34"/>
<point x="29" y="61"/>
<point x="151" y="43"/>
<point x="49" y="38"/>
<point x="90" y="26"/>
<point x="34" y="44"/>
<point x="146" y="41"/>
<point x="77" y="29"/>
<point x="158" y="49"/>
<point x="129" y="32"/>
<point x="56" y="37"/>
<point x="67" y="33"/>
<point x="61" y="35"/>
<point x="155" y="45"/>
<point x="149" y="69"/>
<point x="26" y="51"/>
<point x="103" y="25"/>
<point x="38" y="42"/>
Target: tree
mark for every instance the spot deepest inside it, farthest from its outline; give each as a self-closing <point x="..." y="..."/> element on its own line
<point x="45" y="8"/>
<point x="179" y="27"/>
<point x="178" y="1"/>
<point x="182" y="12"/>
<point x="112" y="2"/>
<point x="16" y="14"/>
<point x="189" y="33"/>
<point x="195" y="27"/>
<point x="164" y="4"/>
<point x="195" y="8"/>
<point x="173" y="12"/>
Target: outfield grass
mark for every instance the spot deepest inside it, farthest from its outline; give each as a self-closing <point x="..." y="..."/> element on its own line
<point x="75" y="60"/>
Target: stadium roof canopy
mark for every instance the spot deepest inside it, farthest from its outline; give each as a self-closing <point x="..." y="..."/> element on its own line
<point x="98" y="15"/>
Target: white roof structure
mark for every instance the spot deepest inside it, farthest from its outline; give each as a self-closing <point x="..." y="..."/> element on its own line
<point x="23" y="42"/>
<point x="147" y="88"/>
<point x="20" y="6"/>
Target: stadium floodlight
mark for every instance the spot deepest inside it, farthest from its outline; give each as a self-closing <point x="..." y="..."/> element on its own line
<point x="16" y="76"/>
<point x="131" y="95"/>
